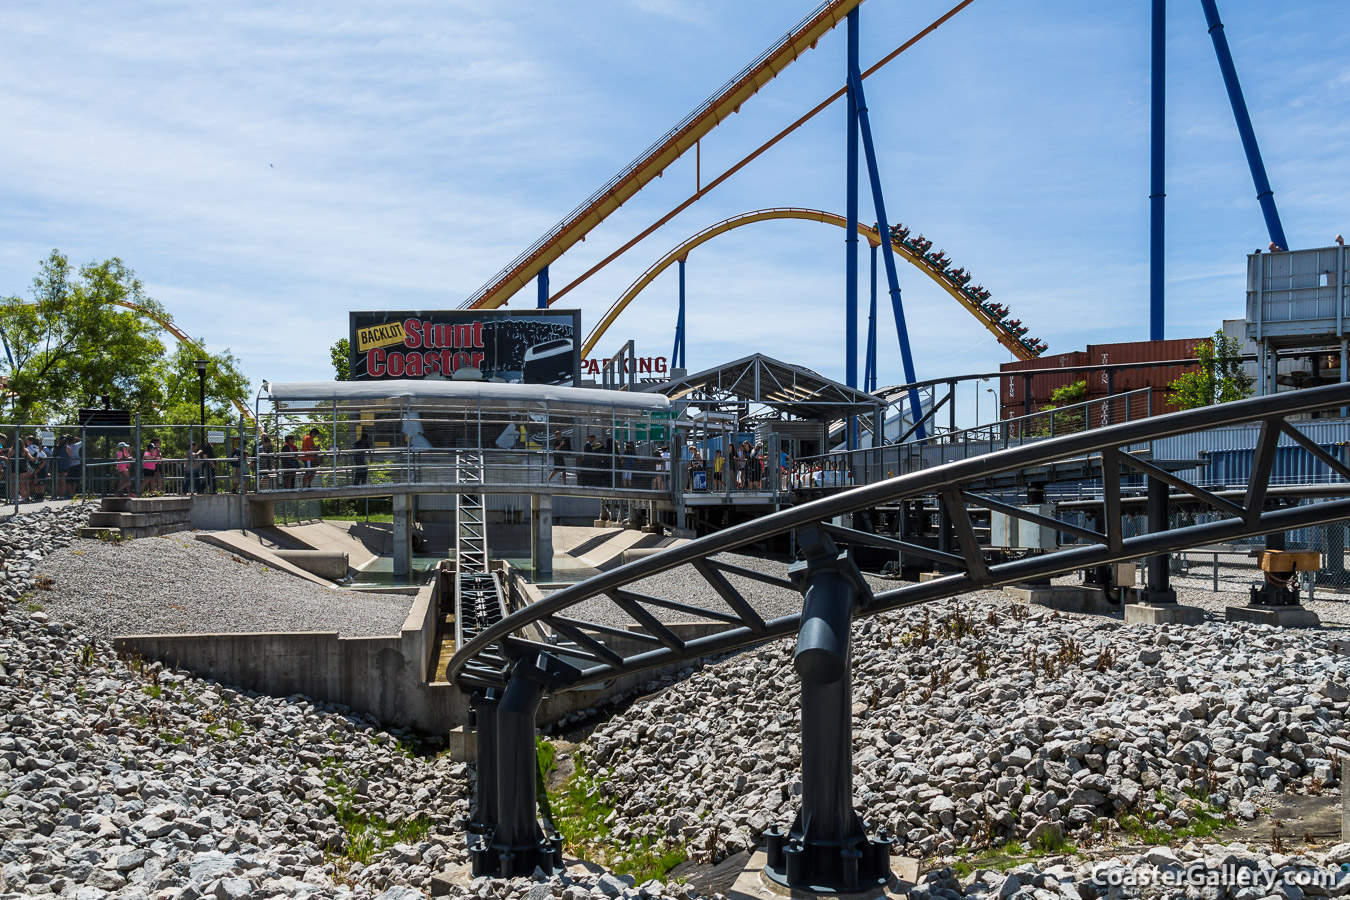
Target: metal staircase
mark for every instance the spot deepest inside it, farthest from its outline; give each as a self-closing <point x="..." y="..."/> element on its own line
<point x="478" y="595"/>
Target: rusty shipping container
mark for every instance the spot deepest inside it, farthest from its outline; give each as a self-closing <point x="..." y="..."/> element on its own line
<point x="1158" y="378"/>
<point x="1013" y="388"/>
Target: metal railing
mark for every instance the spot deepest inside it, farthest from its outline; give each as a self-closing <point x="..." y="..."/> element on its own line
<point x="62" y="460"/>
<point x="1108" y="541"/>
<point x="846" y="468"/>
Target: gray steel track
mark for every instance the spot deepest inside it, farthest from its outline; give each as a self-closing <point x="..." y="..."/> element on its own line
<point x="480" y="663"/>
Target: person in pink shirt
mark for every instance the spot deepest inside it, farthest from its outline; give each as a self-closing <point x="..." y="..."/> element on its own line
<point x="150" y="474"/>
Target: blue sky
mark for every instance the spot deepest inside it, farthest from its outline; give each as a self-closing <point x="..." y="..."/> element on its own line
<point x="267" y="167"/>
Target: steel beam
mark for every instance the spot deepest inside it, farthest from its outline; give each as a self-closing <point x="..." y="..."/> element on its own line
<point x="827" y="848"/>
<point x="851" y="229"/>
<point x="887" y="249"/>
<point x="1264" y="194"/>
<point x="505" y="838"/>
<point x="1157" y="175"/>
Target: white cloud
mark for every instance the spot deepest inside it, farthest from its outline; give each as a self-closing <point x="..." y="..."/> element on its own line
<point x="267" y="168"/>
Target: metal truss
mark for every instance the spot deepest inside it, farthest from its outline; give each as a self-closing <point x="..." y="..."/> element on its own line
<point x="485" y="661"/>
<point x="828" y="849"/>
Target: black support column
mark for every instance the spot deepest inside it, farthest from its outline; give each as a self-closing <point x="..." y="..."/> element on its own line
<point x="827" y="849"/>
<point x="511" y="843"/>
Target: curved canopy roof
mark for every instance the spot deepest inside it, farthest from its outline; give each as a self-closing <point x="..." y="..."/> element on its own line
<point x="459" y="393"/>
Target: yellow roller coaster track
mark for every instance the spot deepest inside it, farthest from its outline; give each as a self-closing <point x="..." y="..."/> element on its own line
<point x="939" y="276"/>
<point x="619" y="189"/>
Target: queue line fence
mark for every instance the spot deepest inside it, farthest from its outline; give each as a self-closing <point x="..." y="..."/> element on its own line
<point x="73" y="460"/>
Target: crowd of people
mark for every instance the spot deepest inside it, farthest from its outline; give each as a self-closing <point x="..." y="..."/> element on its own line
<point x="31" y="467"/>
<point x="55" y="468"/>
<point x="608" y="463"/>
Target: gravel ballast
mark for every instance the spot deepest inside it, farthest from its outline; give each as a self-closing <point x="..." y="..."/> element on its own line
<point x="174" y="584"/>
<point x="974" y="721"/>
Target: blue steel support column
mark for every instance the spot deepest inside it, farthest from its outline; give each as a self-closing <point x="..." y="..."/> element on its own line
<point x="887" y="251"/>
<point x="1264" y="194"/>
<point x="677" y="353"/>
<point x="542" y="281"/>
<point x="851" y="231"/>
<point x="1157" y="180"/>
<point x="870" y="368"/>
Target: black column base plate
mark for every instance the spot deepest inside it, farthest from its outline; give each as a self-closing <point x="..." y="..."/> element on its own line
<point x="826" y="868"/>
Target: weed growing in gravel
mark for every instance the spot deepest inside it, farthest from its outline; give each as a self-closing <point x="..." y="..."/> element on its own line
<point x="153" y="691"/>
<point x="33" y="606"/>
<point x="1000" y="857"/>
<point x="580" y="811"/>
<point x="1053" y="843"/>
<point x="365" y="836"/>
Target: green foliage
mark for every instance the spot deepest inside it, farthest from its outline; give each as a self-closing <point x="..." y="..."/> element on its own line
<point x="380" y="509"/>
<point x="367" y="835"/>
<point x="1068" y="421"/>
<point x="73" y="344"/>
<point x="1220" y="378"/>
<point x="180" y="401"/>
<point x="546" y="757"/>
<point x="580" y="809"/>
<point x="153" y="691"/>
<point x="1000" y="857"/>
<point x="340" y="354"/>
<point x="1148" y="826"/>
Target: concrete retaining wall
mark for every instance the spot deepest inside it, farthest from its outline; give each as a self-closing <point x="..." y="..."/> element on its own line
<point x="219" y="512"/>
<point x="382" y="676"/>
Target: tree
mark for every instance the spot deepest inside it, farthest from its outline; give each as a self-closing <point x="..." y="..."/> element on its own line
<point x="181" y="393"/>
<point x="71" y="345"/>
<point x="341" y="356"/>
<point x="1219" y="379"/>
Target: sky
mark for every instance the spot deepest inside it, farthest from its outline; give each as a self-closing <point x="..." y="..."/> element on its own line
<point x="267" y="167"/>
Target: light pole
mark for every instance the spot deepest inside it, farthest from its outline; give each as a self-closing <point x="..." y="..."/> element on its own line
<point x="201" y="378"/>
<point x="977" y="398"/>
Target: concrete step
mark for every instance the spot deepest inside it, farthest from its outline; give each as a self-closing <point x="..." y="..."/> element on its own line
<point x="147" y="504"/>
<point x="138" y="520"/>
<point x="119" y="534"/>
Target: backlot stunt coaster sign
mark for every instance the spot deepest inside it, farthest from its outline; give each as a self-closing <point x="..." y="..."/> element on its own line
<point x="527" y="346"/>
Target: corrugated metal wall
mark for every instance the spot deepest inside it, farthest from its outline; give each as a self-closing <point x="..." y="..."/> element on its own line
<point x="1299" y="286"/>
<point x="1228" y="443"/>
